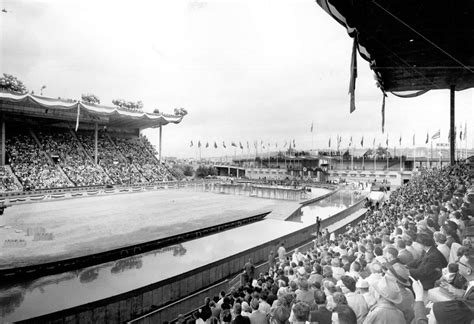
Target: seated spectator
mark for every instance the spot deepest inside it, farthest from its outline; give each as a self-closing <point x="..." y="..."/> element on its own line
<point x="387" y="295"/>
<point x="354" y="300"/>
<point x="343" y="314"/>
<point x="320" y="314"/>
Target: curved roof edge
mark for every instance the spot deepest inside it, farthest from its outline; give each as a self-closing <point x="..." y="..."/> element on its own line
<point x="149" y="119"/>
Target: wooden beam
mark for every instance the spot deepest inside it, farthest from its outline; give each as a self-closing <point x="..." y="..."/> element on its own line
<point x="452" y="135"/>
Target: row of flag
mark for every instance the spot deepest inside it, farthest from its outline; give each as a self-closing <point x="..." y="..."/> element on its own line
<point x="264" y="146"/>
<point x="436" y="135"/>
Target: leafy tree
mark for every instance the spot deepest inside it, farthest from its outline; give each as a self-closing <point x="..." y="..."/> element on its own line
<point x="188" y="170"/>
<point x="90" y="98"/>
<point x="180" y="112"/>
<point x="156" y="111"/>
<point x="128" y="105"/>
<point x="11" y="83"/>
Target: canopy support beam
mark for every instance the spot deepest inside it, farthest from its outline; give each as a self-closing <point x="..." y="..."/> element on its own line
<point x="159" y="148"/>
<point x="452" y="136"/>
<point x="96" y="137"/>
<point x="3" y="141"/>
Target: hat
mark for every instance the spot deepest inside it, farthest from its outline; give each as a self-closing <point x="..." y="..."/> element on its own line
<point x="362" y="284"/>
<point x="388" y="290"/>
<point x="398" y="272"/>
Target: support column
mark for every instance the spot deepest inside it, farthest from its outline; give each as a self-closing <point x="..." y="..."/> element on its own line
<point x="159" y="148"/>
<point x="452" y="136"/>
<point x="3" y="142"/>
<point x="96" y="138"/>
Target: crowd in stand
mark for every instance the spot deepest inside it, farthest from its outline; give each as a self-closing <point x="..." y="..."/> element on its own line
<point x="39" y="165"/>
<point x="7" y="182"/>
<point x="72" y="158"/>
<point x="408" y="261"/>
<point x="31" y="166"/>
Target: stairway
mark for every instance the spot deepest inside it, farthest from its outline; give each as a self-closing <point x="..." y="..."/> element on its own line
<point x="13" y="175"/>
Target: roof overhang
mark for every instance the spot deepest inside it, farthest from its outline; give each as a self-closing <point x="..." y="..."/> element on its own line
<point x="415" y="45"/>
<point x="32" y="106"/>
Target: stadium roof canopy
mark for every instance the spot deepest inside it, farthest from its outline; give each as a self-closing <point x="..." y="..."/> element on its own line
<point x="414" y="45"/>
<point x="32" y="106"/>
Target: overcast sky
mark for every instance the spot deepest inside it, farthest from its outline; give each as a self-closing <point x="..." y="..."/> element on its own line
<point x="245" y="70"/>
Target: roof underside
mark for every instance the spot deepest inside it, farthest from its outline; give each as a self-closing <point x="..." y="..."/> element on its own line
<point x="413" y="44"/>
<point x="31" y="106"/>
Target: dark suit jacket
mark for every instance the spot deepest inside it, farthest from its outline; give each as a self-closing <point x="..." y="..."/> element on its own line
<point x="322" y="315"/>
<point x="429" y="269"/>
<point x="239" y="319"/>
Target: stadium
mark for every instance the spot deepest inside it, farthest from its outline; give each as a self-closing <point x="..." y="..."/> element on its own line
<point x="97" y="225"/>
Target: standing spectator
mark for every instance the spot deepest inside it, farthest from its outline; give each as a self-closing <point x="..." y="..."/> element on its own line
<point x="239" y="319"/>
<point x="429" y="269"/>
<point x="282" y="252"/>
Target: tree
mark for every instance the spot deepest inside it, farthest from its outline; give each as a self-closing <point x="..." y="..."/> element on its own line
<point x="156" y="111"/>
<point x="90" y="98"/>
<point x="128" y="105"/>
<point x="180" y="112"/>
<point x="188" y="170"/>
<point x="11" y="83"/>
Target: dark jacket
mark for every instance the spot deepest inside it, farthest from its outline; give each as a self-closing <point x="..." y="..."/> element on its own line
<point x="322" y="315"/>
<point x="429" y="269"/>
<point x="239" y="319"/>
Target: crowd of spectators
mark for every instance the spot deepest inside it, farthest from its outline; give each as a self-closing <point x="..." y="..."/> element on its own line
<point x="38" y="165"/>
<point x="408" y="261"/>
<point x="72" y="159"/>
<point x="118" y="168"/>
<point x="140" y="153"/>
<point x="7" y="182"/>
<point x="31" y="166"/>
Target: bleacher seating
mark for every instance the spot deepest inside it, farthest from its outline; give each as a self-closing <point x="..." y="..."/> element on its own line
<point x="127" y="161"/>
<point x="30" y="165"/>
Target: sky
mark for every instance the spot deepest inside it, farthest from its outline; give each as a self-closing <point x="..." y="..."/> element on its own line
<point x="246" y="70"/>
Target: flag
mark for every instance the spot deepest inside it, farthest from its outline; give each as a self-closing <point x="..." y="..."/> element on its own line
<point x="362" y="141"/>
<point x="465" y="131"/>
<point x="400" y="140"/>
<point x="215" y="145"/>
<point x="373" y="144"/>
<point x="427" y="138"/>
<point x="353" y="77"/>
<point x="413" y="139"/>
<point x="207" y="144"/>
<point x="311" y="127"/>
<point x="386" y="142"/>
<point x="460" y="132"/>
<point x="248" y="147"/>
<point x="294" y="144"/>
<point x="223" y="145"/>
<point x="350" y="141"/>
<point x="191" y="145"/>
<point x="199" y="143"/>
<point x="329" y="141"/>
<point x="78" y="114"/>
<point x="436" y="135"/>
<point x="241" y="147"/>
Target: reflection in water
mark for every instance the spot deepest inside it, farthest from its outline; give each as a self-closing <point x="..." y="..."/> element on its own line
<point x="134" y="262"/>
<point x="11" y="299"/>
<point x="12" y="296"/>
<point x="325" y="208"/>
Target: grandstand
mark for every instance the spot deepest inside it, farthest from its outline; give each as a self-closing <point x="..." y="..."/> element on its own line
<point x="55" y="143"/>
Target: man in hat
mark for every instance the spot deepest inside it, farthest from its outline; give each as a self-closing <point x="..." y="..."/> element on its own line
<point x="400" y="274"/>
<point x="387" y="294"/>
<point x="429" y="269"/>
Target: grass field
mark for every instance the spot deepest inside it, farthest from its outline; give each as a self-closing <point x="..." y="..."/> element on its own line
<point x="83" y="226"/>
